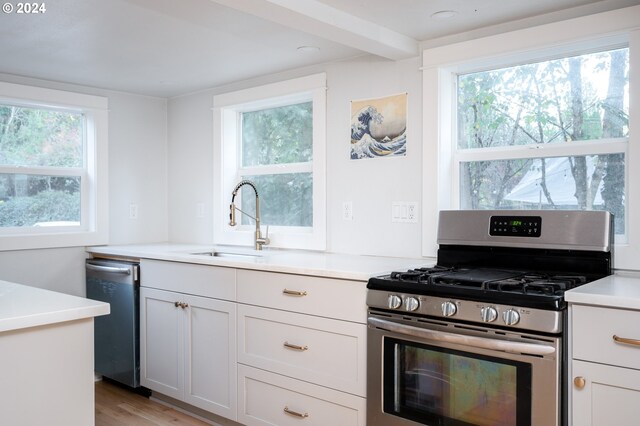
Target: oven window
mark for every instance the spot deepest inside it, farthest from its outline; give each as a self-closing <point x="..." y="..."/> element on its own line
<point x="448" y="387"/>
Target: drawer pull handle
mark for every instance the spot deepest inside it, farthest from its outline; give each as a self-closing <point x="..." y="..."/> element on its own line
<point x="296" y="347"/>
<point x="295" y="413"/>
<point x="294" y="292"/>
<point x="176" y="304"/>
<point x="579" y="382"/>
<point x="626" y="341"/>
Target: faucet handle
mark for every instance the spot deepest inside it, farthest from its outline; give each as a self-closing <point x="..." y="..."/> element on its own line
<point x="263" y="241"/>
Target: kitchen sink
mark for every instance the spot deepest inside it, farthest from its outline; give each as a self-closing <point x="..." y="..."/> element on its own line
<point x="216" y="253"/>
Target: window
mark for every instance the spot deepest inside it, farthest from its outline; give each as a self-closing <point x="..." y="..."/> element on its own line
<point x="273" y="136"/>
<point x="545" y="135"/>
<point x="48" y="168"/>
<point x="276" y="146"/>
<point x="539" y="118"/>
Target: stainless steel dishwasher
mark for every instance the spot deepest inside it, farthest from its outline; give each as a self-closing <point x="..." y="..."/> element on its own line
<point x="117" y="336"/>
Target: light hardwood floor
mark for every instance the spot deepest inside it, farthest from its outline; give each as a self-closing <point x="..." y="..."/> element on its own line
<point x="116" y="406"/>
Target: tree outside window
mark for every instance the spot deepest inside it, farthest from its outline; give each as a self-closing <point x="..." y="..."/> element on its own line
<point x="546" y="135"/>
<point x="41" y="165"/>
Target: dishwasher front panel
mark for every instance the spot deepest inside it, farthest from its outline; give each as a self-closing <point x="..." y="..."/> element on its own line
<point x="117" y="335"/>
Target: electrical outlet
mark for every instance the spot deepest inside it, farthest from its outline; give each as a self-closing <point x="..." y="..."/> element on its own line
<point x="412" y="212"/>
<point x="133" y="211"/>
<point x="199" y="210"/>
<point x="347" y="210"/>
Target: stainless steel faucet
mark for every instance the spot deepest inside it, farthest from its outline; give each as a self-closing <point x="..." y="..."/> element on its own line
<point x="259" y="239"/>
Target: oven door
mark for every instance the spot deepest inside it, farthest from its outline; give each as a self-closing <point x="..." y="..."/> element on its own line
<point x="423" y="372"/>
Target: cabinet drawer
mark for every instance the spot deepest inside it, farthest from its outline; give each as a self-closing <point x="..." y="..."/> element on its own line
<point x="327" y="297"/>
<point x="264" y="397"/>
<point x="593" y="331"/>
<point x="318" y="350"/>
<point x="200" y="280"/>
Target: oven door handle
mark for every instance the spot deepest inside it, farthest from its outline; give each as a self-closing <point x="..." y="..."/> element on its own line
<point x="476" y="342"/>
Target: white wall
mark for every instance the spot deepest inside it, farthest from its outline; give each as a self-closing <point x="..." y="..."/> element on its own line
<point x="370" y="184"/>
<point x="137" y="174"/>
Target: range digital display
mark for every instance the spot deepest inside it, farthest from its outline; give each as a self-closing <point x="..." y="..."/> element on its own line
<point x="515" y="226"/>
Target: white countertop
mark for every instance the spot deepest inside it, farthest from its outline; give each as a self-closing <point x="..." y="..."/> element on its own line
<point x="331" y="265"/>
<point x="22" y="306"/>
<point x="621" y="290"/>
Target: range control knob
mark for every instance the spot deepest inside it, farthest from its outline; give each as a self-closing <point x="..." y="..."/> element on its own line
<point x="394" y="301"/>
<point x="488" y="314"/>
<point x="511" y="317"/>
<point x="411" y="304"/>
<point x="449" y="309"/>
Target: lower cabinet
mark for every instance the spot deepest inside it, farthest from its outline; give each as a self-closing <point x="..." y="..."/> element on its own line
<point x="610" y="395"/>
<point x="188" y="349"/>
<point x="605" y="367"/>
<point x="271" y="399"/>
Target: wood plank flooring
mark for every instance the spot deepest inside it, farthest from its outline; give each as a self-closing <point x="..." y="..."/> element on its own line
<point x="116" y="406"/>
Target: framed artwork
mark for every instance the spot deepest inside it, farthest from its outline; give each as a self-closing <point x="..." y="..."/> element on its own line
<point x="379" y="127"/>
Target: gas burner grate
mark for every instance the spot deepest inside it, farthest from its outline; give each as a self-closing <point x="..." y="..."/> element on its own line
<point x="537" y="284"/>
<point x="419" y="275"/>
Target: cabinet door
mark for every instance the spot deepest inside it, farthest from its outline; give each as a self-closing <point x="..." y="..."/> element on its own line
<point x="161" y="337"/>
<point x="210" y="355"/>
<point x="610" y="396"/>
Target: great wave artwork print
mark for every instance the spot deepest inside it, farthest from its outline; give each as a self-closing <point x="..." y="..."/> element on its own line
<point x="379" y="127"/>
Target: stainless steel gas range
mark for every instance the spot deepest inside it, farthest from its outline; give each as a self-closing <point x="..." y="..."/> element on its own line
<point x="478" y="339"/>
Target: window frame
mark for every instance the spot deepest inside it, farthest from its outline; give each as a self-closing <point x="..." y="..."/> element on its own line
<point x="227" y="109"/>
<point x="442" y="65"/>
<point x="93" y="228"/>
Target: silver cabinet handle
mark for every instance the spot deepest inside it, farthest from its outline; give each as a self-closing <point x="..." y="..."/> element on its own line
<point x="113" y="270"/>
<point x="295" y="347"/>
<point x="295" y="413"/>
<point x="626" y="341"/>
<point x="294" y="292"/>
<point x="472" y="341"/>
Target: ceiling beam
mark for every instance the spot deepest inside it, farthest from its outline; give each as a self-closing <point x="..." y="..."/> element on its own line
<point x="319" y="19"/>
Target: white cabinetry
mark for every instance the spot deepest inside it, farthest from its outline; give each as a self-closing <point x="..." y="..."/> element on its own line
<point x="188" y="342"/>
<point x="605" y="376"/>
<point x="301" y="349"/>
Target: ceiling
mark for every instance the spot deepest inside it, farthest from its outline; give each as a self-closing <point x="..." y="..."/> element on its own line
<point x="167" y="48"/>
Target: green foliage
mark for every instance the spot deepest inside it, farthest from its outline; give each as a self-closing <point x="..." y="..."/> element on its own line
<point x="281" y="135"/>
<point x="46" y="206"/>
<point x="285" y="199"/>
<point x="277" y="135"/>
<point x="556" y="101"/>
<point x="40" y="137"/>
<point x="35" y="137"/>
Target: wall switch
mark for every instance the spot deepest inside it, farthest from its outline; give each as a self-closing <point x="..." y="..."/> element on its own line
<point x="133" y="211"/>
<point x="396" y="208"/>
<point x="199" y="210"/>
<point x="347" y="210"/>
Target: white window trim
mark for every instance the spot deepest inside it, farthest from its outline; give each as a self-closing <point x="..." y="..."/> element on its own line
<point x="94" y="229"/>
<point x="442" y="64"/>
<point x="226" y="108"/>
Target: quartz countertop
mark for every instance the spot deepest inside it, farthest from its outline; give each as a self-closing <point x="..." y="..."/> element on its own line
<point x="22" y="306"/>
<point x="303" y="262"/>
<point x="621" y="290"/>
